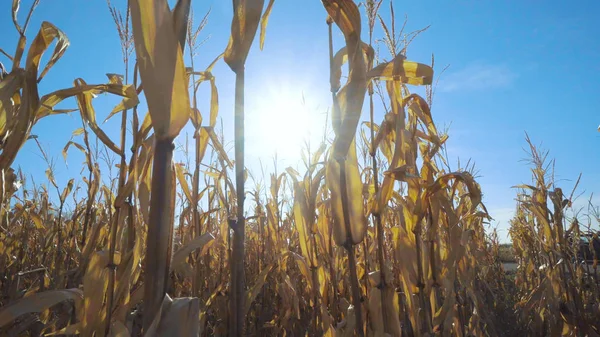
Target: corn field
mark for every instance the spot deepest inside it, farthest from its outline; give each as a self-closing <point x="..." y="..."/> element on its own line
<point x="378" y="236"/>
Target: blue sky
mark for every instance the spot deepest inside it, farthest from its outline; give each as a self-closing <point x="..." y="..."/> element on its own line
<point x="515" y="67"/>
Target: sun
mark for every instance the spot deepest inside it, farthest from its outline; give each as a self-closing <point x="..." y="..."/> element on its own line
<point x="281" y="122"/>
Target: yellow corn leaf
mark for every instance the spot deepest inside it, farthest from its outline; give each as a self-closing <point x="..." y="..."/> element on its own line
<point x="218" y="146"/>
<point x="253" y="292"/>
<point x="354" y="186"/>
<point x="182" y="253"/>
<point x="204" y="137"/>
<point x="161" y="66"/>
<point x="302" y="223"/>
<point x="214" y="103"/>
<point x="341" y="57"/>
<point x="179" y="170"/>
<point x="95" y="284"/>
<point x="246" y="17"/>
<point x="77" y="132"/>
<point x="62" y="43"/>
<point x="37" y="303"/>
<point x="349" y="101"/>
<point x="176" y="317"/>
<point x="196" y="118"/>
<point x="144" y="130"/>
<point x="88" y="114"/>
<point x="30" y="97"/>
<point x="47" y="102"/>
<point x="398" y="160"/>
<point x="399" y="69"/>
<point x="9" y="86"/>
<point x="115" y="78"/>
<point x="401" y="173"/>
<point x="37" y="220"/>
<point x="375" y="305"/>
<point x="19" y="52"/>
<point x="464" y="177"/>
<point x="303" y="266"/>
<point x="128" y="271"/>
<point x="15" y="10"/>
<point x="263" y="23"/>
<point x="67" y="190"/>
<point x="126" y="103"/>
<point x="421" y="109"/>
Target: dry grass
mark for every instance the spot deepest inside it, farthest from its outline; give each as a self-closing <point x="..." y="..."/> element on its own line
<point x="391" y="243"/>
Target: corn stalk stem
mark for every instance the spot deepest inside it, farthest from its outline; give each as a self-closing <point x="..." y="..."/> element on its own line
<point x="236" y="302"/>
<point x="160" y="231"/>
<point x="114" y="229"/>
<point x="58" y="261"/>
<point x="377" y="219"/>
<point x="355" y="286"/>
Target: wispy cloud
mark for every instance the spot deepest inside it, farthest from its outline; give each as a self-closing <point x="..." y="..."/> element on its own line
<point x="478" y="76"/>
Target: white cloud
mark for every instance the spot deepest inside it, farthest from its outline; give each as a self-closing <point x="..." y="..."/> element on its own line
<point x="478" y="76"/>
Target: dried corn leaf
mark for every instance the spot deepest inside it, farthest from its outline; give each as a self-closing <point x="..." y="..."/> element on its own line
<point x="253" y="292"/>
<point x="302" y="222"/>
<point x="263" y="23"/>
<point x="161" y="66"/>
<point x="466" y="178"/>
<point x="180" y="171"/>
<point x="182" y="253"/>
<point x="354" y="186"/>
<point x="246" y="17"/>
<point x="349" y="101"/>
<point x="177" y="317"/>
<point x="399" y="69"/>
<point x="37" y="303"/>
